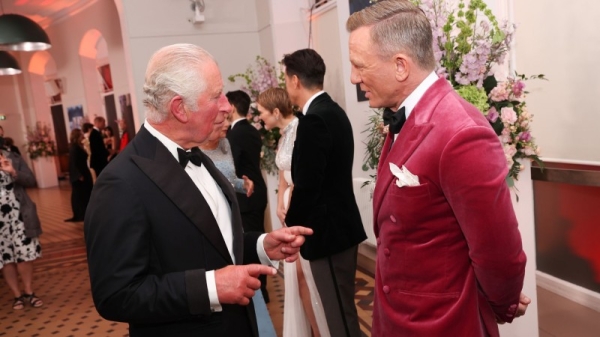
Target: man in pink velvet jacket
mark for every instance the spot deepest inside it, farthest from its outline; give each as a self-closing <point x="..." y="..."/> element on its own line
<point x="449" y="258"/>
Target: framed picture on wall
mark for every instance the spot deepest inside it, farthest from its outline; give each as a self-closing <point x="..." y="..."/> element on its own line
<point x="355" y="6"/>
<point x="107" y="82"/>
<point x="75" y="116"/>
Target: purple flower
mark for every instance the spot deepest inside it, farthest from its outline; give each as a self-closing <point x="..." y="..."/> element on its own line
<point x="493" y="115"/>
<point x="525" y="136"/>
<point x="517" y="88"/>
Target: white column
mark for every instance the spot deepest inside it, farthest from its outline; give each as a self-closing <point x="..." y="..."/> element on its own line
<point x="525" y="326"/>
<point x="44" y="169"/>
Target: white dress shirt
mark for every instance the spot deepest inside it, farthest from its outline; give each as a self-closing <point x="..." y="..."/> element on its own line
<point x="312" y="98"/>
<point x="411" y="101"/>
<point x="237" y="120"/>
<point x="219" y="207"/>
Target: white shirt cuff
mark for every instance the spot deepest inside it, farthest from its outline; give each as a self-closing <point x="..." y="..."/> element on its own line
<point x="262" y="255"/>
<point x="211" y="284"/>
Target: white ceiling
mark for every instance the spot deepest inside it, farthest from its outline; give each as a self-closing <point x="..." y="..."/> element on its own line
<point x="45" y="12"/>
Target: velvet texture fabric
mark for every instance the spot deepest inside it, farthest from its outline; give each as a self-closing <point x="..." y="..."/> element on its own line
<point x="449" y="257"/>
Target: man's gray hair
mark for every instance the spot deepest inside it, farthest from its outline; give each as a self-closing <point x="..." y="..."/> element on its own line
<point x="397" y="26"/>
<point x="174" y="70"/>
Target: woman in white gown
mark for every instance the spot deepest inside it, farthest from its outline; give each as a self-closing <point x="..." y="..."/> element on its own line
<point x="302" y="311"/>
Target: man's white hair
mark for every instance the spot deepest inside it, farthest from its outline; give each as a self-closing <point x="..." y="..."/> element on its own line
<point x="174" y="70"/>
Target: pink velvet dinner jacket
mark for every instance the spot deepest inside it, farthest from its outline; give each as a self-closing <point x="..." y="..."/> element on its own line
<point x="449" y="256"/>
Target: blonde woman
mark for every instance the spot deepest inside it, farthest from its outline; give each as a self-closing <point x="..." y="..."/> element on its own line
<point x="303" y="310"/>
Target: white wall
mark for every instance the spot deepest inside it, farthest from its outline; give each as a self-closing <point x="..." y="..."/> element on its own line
<point x="20" y="94"/>
<point x="561" y="41"/>
<point x="229" y="33"/>
<point x="14" y="125"/>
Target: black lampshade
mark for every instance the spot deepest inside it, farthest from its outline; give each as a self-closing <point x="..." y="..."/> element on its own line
<point x="21" y="33"/>
<point x="8" y="64"/>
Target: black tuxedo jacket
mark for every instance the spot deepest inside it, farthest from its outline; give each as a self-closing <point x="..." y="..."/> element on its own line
<point x="150" y="237"/>
<point x="323" y="197"/>
<point x="99" y="153"/>
<point x="246" y="146"/>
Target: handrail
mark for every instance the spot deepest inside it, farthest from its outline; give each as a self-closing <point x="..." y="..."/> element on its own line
<point x="575" y="174"/>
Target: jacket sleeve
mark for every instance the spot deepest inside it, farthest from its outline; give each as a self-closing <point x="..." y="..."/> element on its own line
<point x="309" y="162"/>
<point x="472" y="175"/>
<point x="25" y="176"/>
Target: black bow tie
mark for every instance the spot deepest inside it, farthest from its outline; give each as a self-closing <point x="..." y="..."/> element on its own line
<point x="195" y="156"/>
<point x="395" y="119"/>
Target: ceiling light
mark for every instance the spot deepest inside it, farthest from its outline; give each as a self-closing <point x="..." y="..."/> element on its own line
<point x="8" y="64"/>
<point x="18" y="32"/>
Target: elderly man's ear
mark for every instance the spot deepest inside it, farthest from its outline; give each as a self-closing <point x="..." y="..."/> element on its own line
<point x="178" y="109"/>
<point x="402" y="67"/>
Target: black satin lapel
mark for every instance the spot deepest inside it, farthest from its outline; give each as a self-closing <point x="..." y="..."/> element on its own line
<point x="168" y="175"/>
<point x="236" y="219"/>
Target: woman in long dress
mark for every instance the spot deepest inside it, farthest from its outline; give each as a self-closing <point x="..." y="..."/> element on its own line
<point x="303" y="310"/>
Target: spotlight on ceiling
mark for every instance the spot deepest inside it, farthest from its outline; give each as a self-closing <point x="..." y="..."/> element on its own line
<point x="8" y="64"/>
<point x="18" y="32"/>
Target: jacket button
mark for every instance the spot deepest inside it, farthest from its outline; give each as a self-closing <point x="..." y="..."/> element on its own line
<point x="386" y="289"/>
<point x="393" y="218"/>
<point x="386" y="252"/>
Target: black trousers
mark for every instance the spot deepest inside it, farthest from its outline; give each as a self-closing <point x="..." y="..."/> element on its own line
<point x="254" y="221"/>
<point x="80" y="197"/>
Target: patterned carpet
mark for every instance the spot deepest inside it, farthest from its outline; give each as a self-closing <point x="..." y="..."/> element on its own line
<point x="62" y="282"/>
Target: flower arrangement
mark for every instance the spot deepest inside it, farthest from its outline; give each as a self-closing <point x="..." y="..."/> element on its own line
<point x="257" y="78"/>
<point x="39" y="143"/>
<point x="468" y="48"/>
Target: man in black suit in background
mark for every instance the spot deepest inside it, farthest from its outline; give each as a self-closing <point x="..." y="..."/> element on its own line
<point x="163" y="230"/>
<point x="99" y="153"/>
<point x="323" y="196"/>
<point x="246" y="146"/>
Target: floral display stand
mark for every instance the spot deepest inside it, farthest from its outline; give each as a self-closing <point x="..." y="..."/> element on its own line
<point x="44" y="169"/>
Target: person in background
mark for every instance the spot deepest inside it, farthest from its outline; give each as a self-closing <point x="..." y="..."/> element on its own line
<point x="9" y="144"/>
<point x="218" y="150"/>
<point x="86" y="128"/>
<point x="79" y="176"/>
<point x="303" y="314"/>
<point x="166" y="249"/>
<point x="323" y="196"/>
<point x="246" y="146"/>
<point x="99" y="153"/>
<point x="448" y="264"/>
<point x="110" y="141"/>
<point x="19" y="230"/>
<point x="124" y="134"/>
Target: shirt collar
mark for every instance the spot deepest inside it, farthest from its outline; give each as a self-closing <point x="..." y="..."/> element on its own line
<point x="411" y="101"/>
<point x="307" y="104"/>
<point x="169" y="144"/>
<point x="237" y="120"/>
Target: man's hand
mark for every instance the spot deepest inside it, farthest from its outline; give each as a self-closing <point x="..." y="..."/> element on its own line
<point x="285" y="243"/>
<point x="248" y="186"/>
<point x="524" y="302"/>
<point x="517" y="310"/>
<point x="236" y="284"/>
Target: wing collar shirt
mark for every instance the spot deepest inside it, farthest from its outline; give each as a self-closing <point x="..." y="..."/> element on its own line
<point x="411" y="101"/>
<point x="217" y="202"/>
<point x="307" y="104"/>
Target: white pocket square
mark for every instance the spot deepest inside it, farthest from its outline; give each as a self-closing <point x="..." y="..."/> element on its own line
<point x="405" y="178"/>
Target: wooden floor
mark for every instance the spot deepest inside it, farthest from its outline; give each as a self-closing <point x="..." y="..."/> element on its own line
<point x="61" y="280"/>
